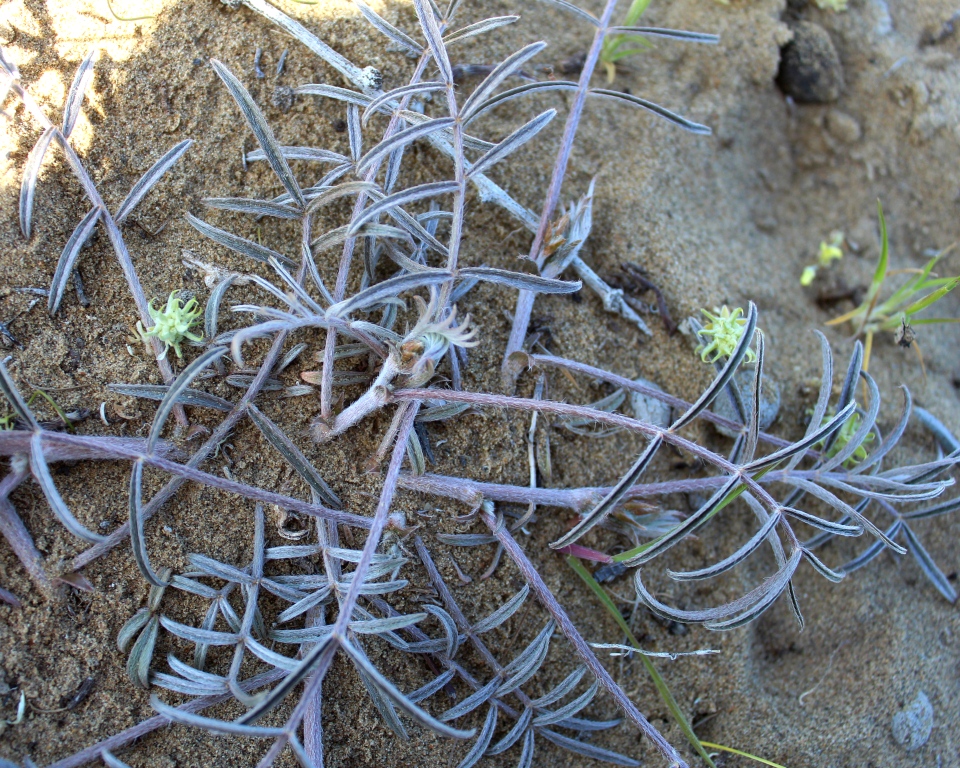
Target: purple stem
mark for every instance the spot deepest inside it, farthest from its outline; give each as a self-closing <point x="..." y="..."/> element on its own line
<point x="9" y="598"/>
<point x="328" y="537"/>
<point x="252" y="492"/>
<point x="326" y="372"/>
<point x="274" y="752"/>
<point x="113" y="232"/>
<point x="580" y="499"/>
<point x="122" y="533"/>
<point x="577" y="499"/>
<point x="583" y="650"/>
<point x="675" y="402"/>
<point x="377" y="526"/>
<point x="80" y="447"/>
<point x="585" y="412"/>
<point x="521" y="317"/>
<point x="16" y="533"/>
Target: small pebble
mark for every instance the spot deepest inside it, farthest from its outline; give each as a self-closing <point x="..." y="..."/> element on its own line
<point x="810" y="68"/>
<point x="704" y="705"/>
<point x="282" y="98"/>
<point x="843" y="127"/>
<point x="676" y="628"/>
<point x="371" y="79"/>
<point x="769" y="401"/>
<point x="766" y="224"/>
<point x="649" y="409"/>
<point x="912" y="725"/>
<point x="883" y="22"/>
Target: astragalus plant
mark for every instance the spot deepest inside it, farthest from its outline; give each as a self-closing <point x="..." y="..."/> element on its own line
<point x="270" y="631"/>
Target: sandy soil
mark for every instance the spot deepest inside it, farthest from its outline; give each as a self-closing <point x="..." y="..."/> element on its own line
<point x="723" y="219"/>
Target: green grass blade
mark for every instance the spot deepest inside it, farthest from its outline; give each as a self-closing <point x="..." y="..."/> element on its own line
<point x="929" y="267"/>
<point x="622" y="53"/>
<point x="919" y="282"/>
<point x="747" y="755"/>
<point x="658" y="681"/>
<point x="931" y="298"/>
<point x="869" y="308"/>
<point x="640" y="40"/>
<point x="881" y="271"/>
<point x="901" y="295"/>
<point x="935" y="320"/>
<point x="59" y="411"/>
<point x="936" y="283"/>
<point x="637" y="7"/>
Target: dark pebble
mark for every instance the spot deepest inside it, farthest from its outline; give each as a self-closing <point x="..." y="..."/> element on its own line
<point x="810" y="69"/>
<point x="609" y="572"/>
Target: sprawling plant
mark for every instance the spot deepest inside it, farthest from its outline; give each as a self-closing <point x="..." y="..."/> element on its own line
<point x="403" y="243"/>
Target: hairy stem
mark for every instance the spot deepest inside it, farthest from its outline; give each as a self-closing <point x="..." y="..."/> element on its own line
<point x="577" y="499"/>
<point x="346" y="258"/>
<point x="318" y="661"/>
<point x="525" y="299"/>
<point x="632" y="386"/>
<point x="113" y="232"/>
<point x="602" y="417"/>
<point x="16" y="533"/>
<point x="582" y="648"/>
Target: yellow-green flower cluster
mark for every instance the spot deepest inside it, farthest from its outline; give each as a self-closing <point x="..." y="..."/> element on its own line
<point x="724" y="331"/>
<point x="172" y="324"/>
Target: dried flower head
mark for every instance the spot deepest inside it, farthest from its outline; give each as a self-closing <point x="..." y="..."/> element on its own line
<point x="212" y="274"/>
<point x="172" y="324"/>
<point x="428" y="341"/>
<point x="567" y="234"/>
<point x="724" y="330"/>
